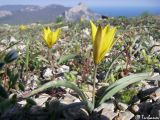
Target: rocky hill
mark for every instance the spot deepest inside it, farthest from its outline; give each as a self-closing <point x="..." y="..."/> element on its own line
<point x="26" y="14"/>
<point x="80" y="11"/>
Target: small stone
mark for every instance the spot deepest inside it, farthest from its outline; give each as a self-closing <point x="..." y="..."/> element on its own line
<point x="79" y="78"/>
<point x="135" y="108"/>
<point x="155" y="112"/>
<point x="122" y="106"/>
<point x="127" y="115"/>
<point x="157" y="92"/>
<point x="48" y="74"/>
<point x="23" y="102"/>
<point x="32" y="82"/>
<point x="12" y="39"/>
<point x="65" y="28"/>
<point x="77" y="100"/>
<point x="68" y="99"/>
<point x="147" y="94"/>
<point x="9" y="40"/>
<point x="85" y="33"/>
<point x="41" y="100"/>
<point x="63" y="69"/>
<point x="144" y="107"/>
<point x="108" y="110"/>
<point x="22" y="49"/>
<point x="75" y="113"/>
<point x="155" y="79"/>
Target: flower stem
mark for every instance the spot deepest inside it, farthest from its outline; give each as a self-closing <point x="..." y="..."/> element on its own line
<point x="94" y="84"/>
<point x="50" y="60"/>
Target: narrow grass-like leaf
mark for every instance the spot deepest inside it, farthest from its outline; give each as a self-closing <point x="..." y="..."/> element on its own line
<point x="1" y="65"/>
<point x="112" y="65"/>
<point x="11" y="56"/>
<point x="6" y="103"/>
<point x="126" y="79"/>
<point x="3" y="92"/>
<point x="60" y="83"/>
<point x="122" y="83"/>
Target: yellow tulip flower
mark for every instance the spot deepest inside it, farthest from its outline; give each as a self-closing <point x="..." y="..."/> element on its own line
<point x="22" y="27"/>
<point x="50" y="37"/>
<point x="103" y="40"/>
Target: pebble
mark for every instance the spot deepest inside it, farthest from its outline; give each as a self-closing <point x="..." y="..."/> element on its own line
<point x="108" y="110"/>
<point x="122" y="106"/>
<point x="127" y="115"/>
<point x="135" y="108"/>
<point x="63" y="69"/>
<point x="65" y="28"/>
<point x="48" y="74"/>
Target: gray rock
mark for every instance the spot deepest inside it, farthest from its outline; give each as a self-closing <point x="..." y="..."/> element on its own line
<point x="10" y="112"/>
<point x="155" y="112"/>
<point x="75" y="114"/>
<point x="134" y="108"/>
<point x="147" y="93"/>
<point x="32" y="82"/>
<point x="65" y="28"/>
<point x="127" y="115"/>
<point x="9" y="40"/>
<point x="80" y="12"/>
<point x="156" y="79"/>
<point x="108" y="110"/>
<point x="157" y="94"/>
<point x="68" y="99"/>
<point x="42" y="99"/>
<point x="145" y="108"/>
<point x="48" y="74"/>
<point x="122" y="106"/>
<point x="63" y="69"/>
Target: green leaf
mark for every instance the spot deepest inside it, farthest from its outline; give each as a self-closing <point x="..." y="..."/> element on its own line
<point x="126" y="79"/>
<point x="21" y="86"/>
<point x="65" y="58"/>
<point x="6" y="103"/>
<point x="12" y="78"/>
<point x="120" y="84"/>
<point x="9" y="73"/>
<point x="3" y="92"/>
<point x="14" y="81"/>
<point x="1" y="65"/>
<point x="30" y="101"/>
<point x="11" y="56"/>
<point x="67" y="84"/>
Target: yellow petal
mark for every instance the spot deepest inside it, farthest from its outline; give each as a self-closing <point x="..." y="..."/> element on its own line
<point x="93" y="31"/>
<point x="46" y="32"/>
<point x="108" y="42"/>
<point x="106" y="29"/>
<point x="97" y="44"/>
<point x="114" y="40"/>
<point x="50" y="37"/>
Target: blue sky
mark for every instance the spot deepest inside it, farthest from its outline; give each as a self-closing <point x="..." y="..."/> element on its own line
<point x="146" y="3"/>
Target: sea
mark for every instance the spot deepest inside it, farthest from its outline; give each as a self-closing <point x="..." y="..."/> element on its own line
<point x="126" y="11"/>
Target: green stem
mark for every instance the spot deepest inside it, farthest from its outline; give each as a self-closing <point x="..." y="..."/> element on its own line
<point x="50" y="60"/>
<point x="94" y="84"/>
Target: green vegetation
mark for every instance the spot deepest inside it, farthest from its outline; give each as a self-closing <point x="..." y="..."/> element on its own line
<point x="133" y="58"/>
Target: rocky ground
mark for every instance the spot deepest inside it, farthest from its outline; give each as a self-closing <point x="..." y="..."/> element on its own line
<point x="73" y="62"/>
